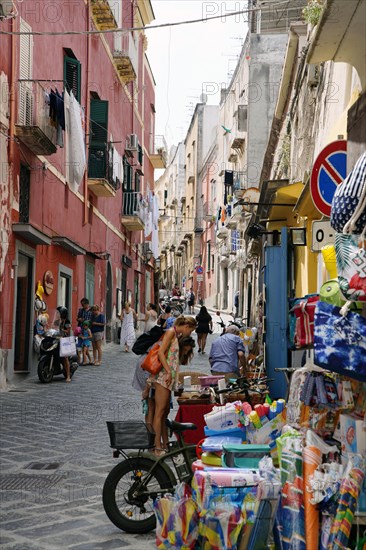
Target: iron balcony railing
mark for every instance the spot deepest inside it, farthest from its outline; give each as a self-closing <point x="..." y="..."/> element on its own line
<point x="101" y="164"/>
<point x="133" y="204"/>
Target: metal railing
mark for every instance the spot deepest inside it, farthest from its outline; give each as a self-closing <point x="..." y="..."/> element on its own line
<point x="101" y="164"/>
<point x="133" y="204"/>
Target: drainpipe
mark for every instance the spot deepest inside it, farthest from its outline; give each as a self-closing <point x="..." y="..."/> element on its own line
<point x="87" y="110"/>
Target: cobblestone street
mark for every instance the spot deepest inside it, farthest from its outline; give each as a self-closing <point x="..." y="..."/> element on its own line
<point x="55" y="456"/>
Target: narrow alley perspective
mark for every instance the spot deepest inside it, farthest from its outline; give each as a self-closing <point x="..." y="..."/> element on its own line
<point x="183" y="274"/>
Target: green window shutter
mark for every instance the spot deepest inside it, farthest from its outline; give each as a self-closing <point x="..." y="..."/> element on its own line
<point x="72" y="76"/>
<point x="99" y="121"/>
<point x="98" y="154"/>
<point x="140" y="155"/>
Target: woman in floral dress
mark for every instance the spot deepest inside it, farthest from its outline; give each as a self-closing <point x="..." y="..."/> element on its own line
<point x="167" y="378"/>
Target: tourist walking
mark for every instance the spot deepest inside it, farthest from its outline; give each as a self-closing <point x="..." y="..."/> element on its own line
<point x="151" y="317"/>
<point x="204" y="327"/>
<point x="128" y="318"/>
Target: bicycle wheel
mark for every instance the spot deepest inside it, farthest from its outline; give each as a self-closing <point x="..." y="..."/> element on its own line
<point x="124" y="505"/>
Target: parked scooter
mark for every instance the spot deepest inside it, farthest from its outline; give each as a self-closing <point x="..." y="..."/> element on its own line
<point x="236" y="322"/>
<point x="50" y="362"/>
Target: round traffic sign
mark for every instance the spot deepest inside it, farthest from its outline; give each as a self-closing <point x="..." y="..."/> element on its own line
<point x="329" y="170"/>
<point x="199" y="269"/>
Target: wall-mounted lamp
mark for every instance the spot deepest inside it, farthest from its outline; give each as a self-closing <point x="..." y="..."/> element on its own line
<point x="157" y="263"/>
<point x="148" y="255"/>
<point x="298" y="236"/>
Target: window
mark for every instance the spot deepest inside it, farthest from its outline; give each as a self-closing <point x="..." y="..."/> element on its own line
<point x="208" y="256"/>
<point x="242" y="118"/>
<point x="64" y="287"/>
<point x="213" y="262"/>
<point x="25" y="74"/>
<point x="98" y="154"/>
<point x="72" y="75"/>
<point x="137" y="182"/>
<point x="127" y="175"/>
<point x="89" y="282"/>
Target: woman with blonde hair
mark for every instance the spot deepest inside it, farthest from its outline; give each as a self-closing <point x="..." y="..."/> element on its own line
<point x="167" y="378"/>
<point x="128" y="336"/>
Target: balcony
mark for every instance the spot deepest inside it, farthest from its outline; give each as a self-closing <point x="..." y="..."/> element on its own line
<point x="134" y="211"/>
<point x="102" y="15"/>
<point x="235" y="218"/>
<point x="33" y="127"/>
<point x="125" y="57"/>
<point x="209" y="214"/>
<point x="101" y="180"/>
<point x="159" y="153"/>
<point x="240" y="184"/>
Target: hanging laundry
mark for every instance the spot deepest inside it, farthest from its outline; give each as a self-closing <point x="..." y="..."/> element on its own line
<point x="53" y="109"/>
<point x="76" y="159"/>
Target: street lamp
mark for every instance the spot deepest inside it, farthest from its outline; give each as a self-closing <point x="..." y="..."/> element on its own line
<point x="148" y="255"/>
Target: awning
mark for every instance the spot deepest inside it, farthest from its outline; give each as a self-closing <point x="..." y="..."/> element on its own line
<point x="283" y="199"/>
<point x="340" y="35"/>
<point x="69" y="245"/>
<point x="30" y="233"/>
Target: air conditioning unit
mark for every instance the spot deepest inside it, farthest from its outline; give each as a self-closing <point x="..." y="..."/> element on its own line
<point x="132" y="142"/>
<point x="6" y="9"/>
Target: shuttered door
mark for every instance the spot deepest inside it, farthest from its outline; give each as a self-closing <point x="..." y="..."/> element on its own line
<point x="98" y="139"/>
<point x="25" y="74"/>
<point x="72" y="76"/>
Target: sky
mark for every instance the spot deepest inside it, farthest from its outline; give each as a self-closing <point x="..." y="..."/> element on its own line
<point x="189" y="60"/>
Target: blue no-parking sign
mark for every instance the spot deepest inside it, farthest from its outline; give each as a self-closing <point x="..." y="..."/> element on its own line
<point x="329" y="170"/>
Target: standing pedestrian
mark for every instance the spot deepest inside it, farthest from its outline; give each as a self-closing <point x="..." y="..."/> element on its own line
<point x="86" y="337"/>
<point x="151" y="317"/>
<point x="128" y="318"/>
<point x="236" y="303"/>
<point x="64" y="328"/>
<point x="163" y="293"/>
<point x="84" y="313"/>
<point x="97" y="329"/>
<point x="191" y="298"/>
<point x="204" y="326"/>
<point x="168" y="377"/>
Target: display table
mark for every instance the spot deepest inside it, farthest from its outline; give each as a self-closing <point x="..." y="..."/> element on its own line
<point x="193" y="414"/>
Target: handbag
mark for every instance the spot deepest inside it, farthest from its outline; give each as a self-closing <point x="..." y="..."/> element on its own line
<point x="340" y="341"/>
<point x="67" y="346"/>
<point x="152" y="363"/>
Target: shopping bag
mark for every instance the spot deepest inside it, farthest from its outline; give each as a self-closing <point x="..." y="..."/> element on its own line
<point x="67" y="346"/>
<point x="351" y="266"/>
<point x="151" y="363"/>
<point x="301" y="321"/>
<point x="340" y="341"/>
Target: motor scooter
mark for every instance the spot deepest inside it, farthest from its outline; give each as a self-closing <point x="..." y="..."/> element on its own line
<point x="50" y="362"/>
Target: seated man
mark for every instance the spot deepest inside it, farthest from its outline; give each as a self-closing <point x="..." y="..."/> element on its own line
<point x="227" y="355"/>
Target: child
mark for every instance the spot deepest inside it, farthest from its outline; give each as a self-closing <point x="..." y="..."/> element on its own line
<point x="79" y="344"/>
<point x="86" y="337"/>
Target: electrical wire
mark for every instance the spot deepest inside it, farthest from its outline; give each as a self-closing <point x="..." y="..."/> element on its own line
<point x="159" y="26"/>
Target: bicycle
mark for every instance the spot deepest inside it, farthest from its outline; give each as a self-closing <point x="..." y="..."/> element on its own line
<point x="132" y="486"/>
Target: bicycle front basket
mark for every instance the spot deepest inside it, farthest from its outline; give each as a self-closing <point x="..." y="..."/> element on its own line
<point x="131" y="435"/>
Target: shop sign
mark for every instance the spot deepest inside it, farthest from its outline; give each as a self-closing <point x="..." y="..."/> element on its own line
<point x="329" y="170"/>
<point x="322" y="234"/>
<point x="199" y="278"/>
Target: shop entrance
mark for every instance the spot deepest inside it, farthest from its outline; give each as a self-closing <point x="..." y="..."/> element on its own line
<point x="23" y="314"/>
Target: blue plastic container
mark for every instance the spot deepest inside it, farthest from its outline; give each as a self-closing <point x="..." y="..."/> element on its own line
<point x="234" y="432"/>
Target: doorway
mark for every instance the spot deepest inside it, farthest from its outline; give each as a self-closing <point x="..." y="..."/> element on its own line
<point x="108" y="303"/>
<point x="23" y="314"/>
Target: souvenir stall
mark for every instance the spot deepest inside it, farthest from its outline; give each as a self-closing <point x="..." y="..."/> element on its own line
<point x="290" y="474"/>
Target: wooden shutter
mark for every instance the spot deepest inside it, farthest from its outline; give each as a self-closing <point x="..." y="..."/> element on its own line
<point x="98" y="149"/>
<point x="25" y="73"/>
<point x="99" y="121"/>
<point x="127" y="175"/>
<point x="72" y="76"/>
